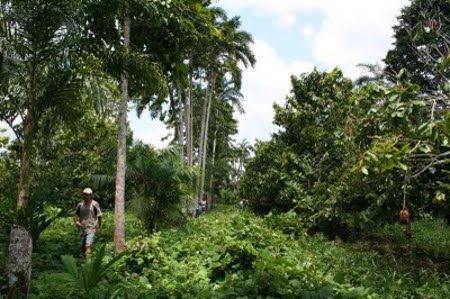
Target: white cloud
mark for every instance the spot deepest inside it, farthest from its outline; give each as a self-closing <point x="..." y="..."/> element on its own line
<point x="307" y="30"/>
<point x="355" y="31"/>
<point x="267" y="83"/>
<point x="351" y="32"/>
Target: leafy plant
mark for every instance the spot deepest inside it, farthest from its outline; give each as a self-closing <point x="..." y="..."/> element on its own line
<point x="35" y="218"/>
<point x="83" y="280"/>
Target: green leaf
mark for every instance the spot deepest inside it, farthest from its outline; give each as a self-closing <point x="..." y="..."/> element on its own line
<point x="215" y="32"/>
<point x="373" y="156"/>
<point x="402" y="166"/>
<point x="445" y="63"/>
<point x="364" y="170"/>
<point x="402" y="74"/>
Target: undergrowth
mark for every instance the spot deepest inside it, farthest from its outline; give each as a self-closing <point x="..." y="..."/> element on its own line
<point x="234" y="254"/>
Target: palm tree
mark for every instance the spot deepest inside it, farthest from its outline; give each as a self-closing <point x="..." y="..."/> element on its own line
<point x="119" y="203"/>
<point x="39" y="75"/>
<point x="228" y="96"/>
<point x="109" y="27"/>
<point x="157" y="178"/>
<point x="244" y="150"/>
<point x="225" y="54"/>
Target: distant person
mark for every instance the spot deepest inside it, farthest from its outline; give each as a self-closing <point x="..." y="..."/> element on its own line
<point x="204" y="204"/>
<point x="243" y="204"/>
<point x="88" y="219"/>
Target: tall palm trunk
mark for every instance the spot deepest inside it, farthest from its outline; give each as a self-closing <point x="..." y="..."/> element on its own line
<point x="119" y="204"/>
<point x="213" y="158"/>
<point x="20" y="243"/>
<point x="188" y="117"/>
<point x="180" y="120"/>
<point x="201" y="140"/>
<point x="205" y="136"/>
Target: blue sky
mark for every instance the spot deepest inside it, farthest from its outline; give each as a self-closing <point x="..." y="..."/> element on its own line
<point x="292" y="37"/>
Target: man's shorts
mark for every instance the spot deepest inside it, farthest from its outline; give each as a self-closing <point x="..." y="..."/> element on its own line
<point x="87" y="239"/>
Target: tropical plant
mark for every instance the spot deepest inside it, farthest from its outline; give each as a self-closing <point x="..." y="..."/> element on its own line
<point x="223" y="56"/>
<point x="160" y="180"/>
<point x="156" y="182"/>
<point x="83" y="280"/>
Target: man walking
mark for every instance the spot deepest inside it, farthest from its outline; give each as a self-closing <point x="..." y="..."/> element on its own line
<point x="88" y="217"/>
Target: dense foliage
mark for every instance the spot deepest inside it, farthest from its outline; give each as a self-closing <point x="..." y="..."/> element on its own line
<point x="347" y="158"/>
<point x="421" y="40"/>
<point x="229" y="254"/>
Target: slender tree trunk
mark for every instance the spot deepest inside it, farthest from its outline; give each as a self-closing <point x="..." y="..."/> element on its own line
<point x="200" y="147"/>
<point x="119" y="205"/>
<point x="189" y="128"/>
<point x="205" y="136"/>
<point x="188" y="117"/>
<point x="20" y="242"/>
<point x="191" y="117"/>
<point x="241" y="163"/>
<point x="180" y="120"/>
<point x="211" y="177"/>
<point x="173" y="108"/>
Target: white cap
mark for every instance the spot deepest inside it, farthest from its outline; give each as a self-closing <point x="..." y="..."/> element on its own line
<point x="87" y="191"/>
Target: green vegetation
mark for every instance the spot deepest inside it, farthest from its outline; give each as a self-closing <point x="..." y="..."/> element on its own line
<point x="320" y="200"/>
<point x="350" y="158"/>
<point x="230" y="253"/>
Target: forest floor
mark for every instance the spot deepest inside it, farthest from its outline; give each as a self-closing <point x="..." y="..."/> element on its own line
<point x="229" y="253"/>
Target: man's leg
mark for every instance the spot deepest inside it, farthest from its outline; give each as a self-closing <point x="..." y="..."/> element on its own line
<point x="83" y="244"/>
<point x="88" y="244"/>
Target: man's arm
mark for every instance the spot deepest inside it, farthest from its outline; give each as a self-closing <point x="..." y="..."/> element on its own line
<point x="76" y="220"/>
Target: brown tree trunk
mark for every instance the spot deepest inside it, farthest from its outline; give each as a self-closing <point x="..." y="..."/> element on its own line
<point x="20" y="242"/>
<point x="25" y="161"/>
<point x="119" y="204"/>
